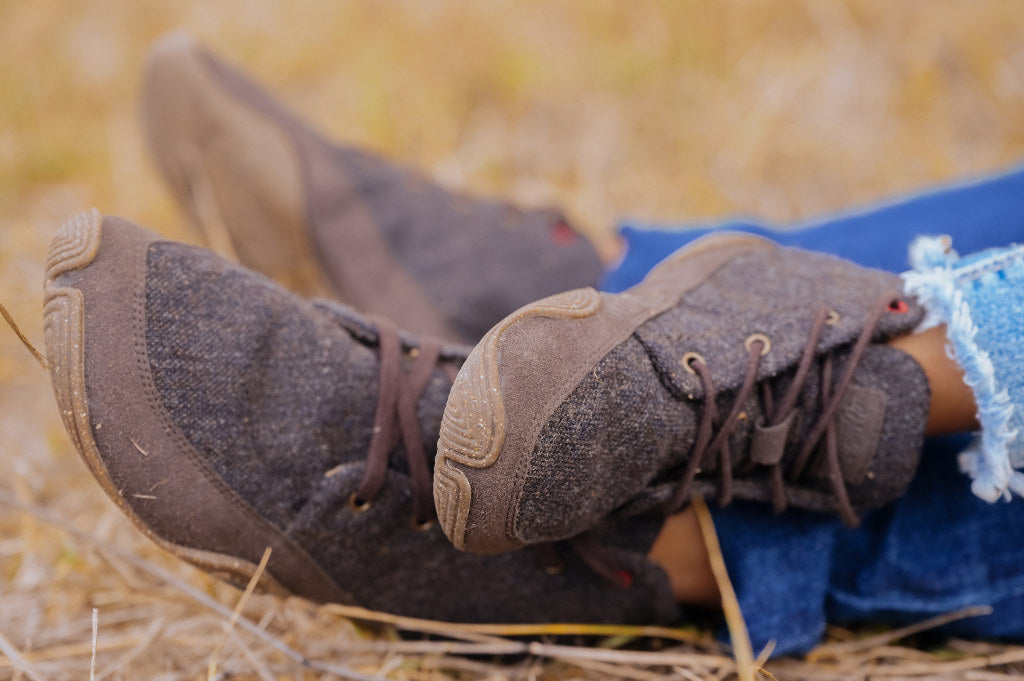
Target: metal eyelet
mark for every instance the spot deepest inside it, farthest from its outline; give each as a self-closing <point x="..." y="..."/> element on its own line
<point x="358" y="504"/>
<point x="688" y="359"/>
<point x="833" y="318"/>
<point x="421" y="526"/>
<point x="766" y="343"/>
<point x="555" y="568"/>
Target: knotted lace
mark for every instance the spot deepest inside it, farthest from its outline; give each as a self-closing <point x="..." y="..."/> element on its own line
<point x="709" y="443"/>
<point x="396" y="421"/>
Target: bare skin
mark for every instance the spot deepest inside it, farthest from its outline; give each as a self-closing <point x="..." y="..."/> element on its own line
<point x="952" y="408"/>
<point x="679" y="548"/>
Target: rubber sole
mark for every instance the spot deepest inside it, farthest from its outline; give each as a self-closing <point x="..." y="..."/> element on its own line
<point x="74" y="247"/>
<point x="473" y="428"/>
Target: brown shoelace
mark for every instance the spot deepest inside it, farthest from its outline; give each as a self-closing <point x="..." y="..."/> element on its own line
<point x="709" y="444"/>
<point x="396" y="421"/>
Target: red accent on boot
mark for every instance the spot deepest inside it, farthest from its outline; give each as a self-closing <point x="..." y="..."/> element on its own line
<point x="624" y="578"/>
<point x="562" y="234"/>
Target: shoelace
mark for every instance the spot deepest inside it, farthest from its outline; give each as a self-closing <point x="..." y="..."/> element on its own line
<point x="396" y="420"/>
<point x="709" y="443"/>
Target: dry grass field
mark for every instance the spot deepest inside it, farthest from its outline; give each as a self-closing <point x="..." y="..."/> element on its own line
<point x="676" y="110"/>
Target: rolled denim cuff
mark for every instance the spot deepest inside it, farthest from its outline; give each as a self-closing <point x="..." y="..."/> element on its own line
<point x="980" y="299"/>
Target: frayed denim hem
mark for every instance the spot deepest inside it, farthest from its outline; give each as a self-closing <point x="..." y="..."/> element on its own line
<point x="938" y="279"/>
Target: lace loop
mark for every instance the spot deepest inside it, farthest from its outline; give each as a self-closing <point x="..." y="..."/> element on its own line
<point x="396" y="420"/>
<point x="709" y="443"/>
<point x="705" y="444"/>
<point x="412" y="435"/>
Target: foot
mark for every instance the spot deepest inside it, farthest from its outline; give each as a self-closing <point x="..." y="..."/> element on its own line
<point x="224" y="415"/>
<point x="327" y="219"/>
<point x="737" y="369"/>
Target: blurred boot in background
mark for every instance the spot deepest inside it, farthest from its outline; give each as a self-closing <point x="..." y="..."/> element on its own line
<point x="325" y="219"/>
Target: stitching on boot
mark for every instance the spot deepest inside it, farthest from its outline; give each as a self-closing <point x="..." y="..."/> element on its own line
<point x="473" y="429"/>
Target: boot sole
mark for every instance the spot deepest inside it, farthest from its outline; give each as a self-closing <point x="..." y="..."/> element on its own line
<point x="474" y="430"/>
<point x="475" y="439"/>
<point x="73" y="247"/>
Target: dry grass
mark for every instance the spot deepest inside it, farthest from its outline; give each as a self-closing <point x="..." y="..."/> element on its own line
<point x="672" y="110"/>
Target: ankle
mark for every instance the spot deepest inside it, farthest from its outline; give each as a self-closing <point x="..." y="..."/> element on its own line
<point x="952" y="408"/>
<point x="679" y="550"/>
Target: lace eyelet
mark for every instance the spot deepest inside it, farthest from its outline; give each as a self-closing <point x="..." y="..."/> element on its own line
<point x="899" y="306"/>
<point x="357" y="504"/>
<point x="766" y="343"/>
<point x="421" y="525"/>
<point x="688" y="359"/>
<point x="833" y="318"/>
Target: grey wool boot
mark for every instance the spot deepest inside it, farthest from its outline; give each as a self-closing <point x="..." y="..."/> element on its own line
<point x="737" y="369"/>
<point x="224" y="415"/>
<point x="331" y="220"/>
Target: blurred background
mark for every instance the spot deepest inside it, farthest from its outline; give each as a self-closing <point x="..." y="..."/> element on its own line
<point x="660" y="110"/>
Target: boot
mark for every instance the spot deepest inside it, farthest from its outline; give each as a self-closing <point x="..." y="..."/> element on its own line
<point x="331" y="220"/>
<point x="736" y="369"/>
<point x="224" y="415"/>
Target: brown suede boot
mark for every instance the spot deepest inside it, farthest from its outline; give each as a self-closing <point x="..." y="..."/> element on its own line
<point x="737" y="369"/>
<point x="325" y="219"/>
<point x="224" y="415"/>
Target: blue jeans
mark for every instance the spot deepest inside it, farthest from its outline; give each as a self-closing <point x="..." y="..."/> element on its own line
<point x="936" y="550"/>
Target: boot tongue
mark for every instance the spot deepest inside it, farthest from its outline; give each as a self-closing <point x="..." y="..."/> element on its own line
<point x="776" y="297"/>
